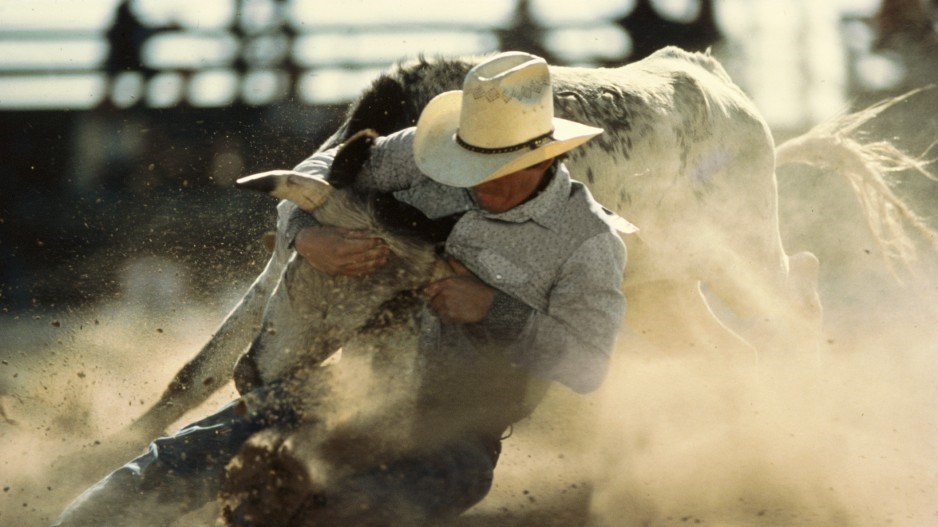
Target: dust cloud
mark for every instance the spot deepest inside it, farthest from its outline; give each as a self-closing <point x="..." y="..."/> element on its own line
<point x="674" y="441"/>
<point x="851" y="443"/>
<point x="70" y="380"/>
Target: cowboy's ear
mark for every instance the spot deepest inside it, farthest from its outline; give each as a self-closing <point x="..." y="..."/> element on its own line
<point x="308" y="192"/>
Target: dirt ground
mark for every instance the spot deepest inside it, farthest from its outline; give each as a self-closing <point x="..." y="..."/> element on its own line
<point x="665" y="442"/>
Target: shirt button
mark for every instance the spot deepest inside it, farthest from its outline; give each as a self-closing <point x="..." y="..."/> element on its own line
<point x="498" y="277"/>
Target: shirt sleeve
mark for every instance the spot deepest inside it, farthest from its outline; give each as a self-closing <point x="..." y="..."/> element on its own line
<point x="571" y="342"/>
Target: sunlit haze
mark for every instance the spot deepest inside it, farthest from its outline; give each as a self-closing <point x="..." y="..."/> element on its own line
<point x="344" y="44"/>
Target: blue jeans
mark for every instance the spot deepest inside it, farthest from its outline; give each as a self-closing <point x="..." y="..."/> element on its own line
<point x="182" y="472"/>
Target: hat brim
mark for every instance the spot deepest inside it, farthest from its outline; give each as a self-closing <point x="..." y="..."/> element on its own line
<point x="440" y="158"/>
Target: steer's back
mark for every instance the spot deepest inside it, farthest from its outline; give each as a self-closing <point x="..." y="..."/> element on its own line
<point x="685" y="156"/>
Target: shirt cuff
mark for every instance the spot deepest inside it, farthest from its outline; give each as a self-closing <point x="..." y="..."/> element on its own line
<point x="506" y="318"/>
<point x="297" y="220"/>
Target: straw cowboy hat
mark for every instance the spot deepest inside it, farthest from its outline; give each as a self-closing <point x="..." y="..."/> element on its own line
<point x="500" y="122"/>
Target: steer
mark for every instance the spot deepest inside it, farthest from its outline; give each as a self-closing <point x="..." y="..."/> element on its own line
<point x="685" y="156"/>
<point x="310" y="315"/>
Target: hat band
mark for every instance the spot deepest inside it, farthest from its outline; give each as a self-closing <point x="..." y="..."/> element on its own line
<point x="531" y="143"/>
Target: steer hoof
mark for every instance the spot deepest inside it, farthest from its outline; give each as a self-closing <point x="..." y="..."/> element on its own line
<point x="266" y="483"/>
<point x="247" y="375"/>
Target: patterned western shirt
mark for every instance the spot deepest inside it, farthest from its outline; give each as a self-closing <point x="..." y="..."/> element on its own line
<point x="556" y="261"/>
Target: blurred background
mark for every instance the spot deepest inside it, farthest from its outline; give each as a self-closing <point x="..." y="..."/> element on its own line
<point x="125" y="122"/>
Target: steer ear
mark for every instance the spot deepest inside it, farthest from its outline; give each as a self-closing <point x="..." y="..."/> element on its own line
<point x="309" y="192"/>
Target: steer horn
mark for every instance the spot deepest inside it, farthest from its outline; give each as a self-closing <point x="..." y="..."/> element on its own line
<point x="307" y="191"/>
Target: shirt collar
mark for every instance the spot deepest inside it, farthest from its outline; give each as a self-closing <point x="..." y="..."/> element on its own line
<point x="546" y="208"/>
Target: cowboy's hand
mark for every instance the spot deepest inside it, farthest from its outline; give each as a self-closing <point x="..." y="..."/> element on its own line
<point x="462" y="298"/>
<point x="338" y="251"/>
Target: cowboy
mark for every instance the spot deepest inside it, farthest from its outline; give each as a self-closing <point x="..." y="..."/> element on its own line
<point x="535" y="299"/>
<point x="536" y="296"/>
